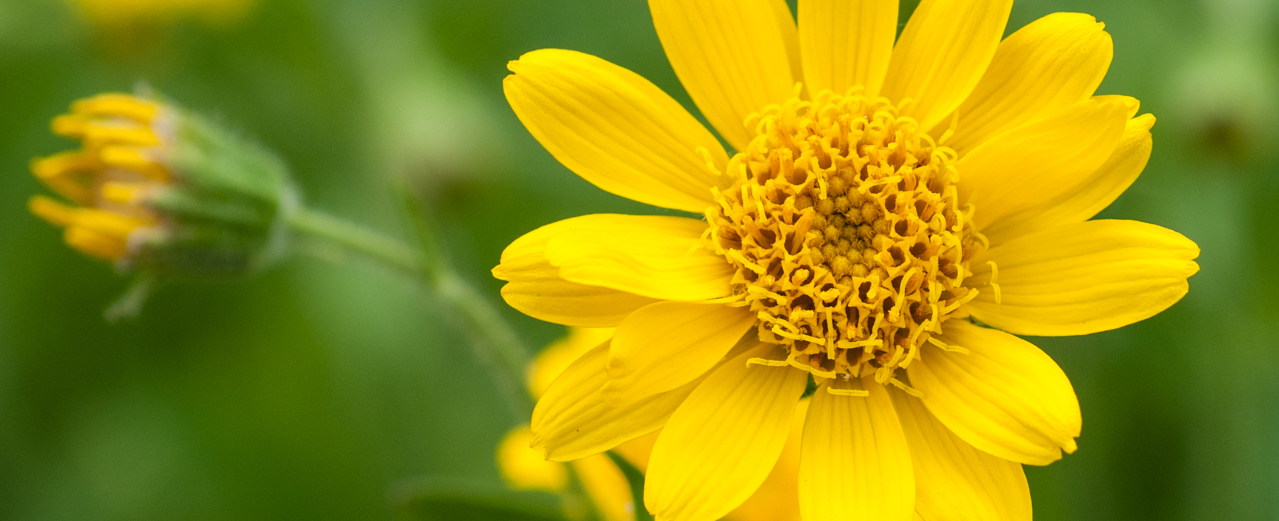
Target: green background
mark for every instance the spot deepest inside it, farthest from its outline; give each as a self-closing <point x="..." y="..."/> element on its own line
<point x="326" y="387"/>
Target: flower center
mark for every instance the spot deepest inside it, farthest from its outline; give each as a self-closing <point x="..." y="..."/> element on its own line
<point x="845" y="227"/>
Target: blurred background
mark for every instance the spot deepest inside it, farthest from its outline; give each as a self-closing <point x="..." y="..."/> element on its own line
<point x="320" y="389"/>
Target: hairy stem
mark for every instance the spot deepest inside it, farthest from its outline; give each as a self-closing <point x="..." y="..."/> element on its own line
<point x="497" y="347"/>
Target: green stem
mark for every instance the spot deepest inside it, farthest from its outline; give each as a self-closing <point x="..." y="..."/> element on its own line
<point x="511" y="355"/>
<point x="499" y="348"/>
<point x="510" y="352"/>
<point x="357" y="239"/>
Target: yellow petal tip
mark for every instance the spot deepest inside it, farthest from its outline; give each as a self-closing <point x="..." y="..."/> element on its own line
<point x="499" y="273"/>
<point x="1070" y="446"/>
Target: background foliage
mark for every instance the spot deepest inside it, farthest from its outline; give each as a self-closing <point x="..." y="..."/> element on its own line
<point x="328" y="390"/>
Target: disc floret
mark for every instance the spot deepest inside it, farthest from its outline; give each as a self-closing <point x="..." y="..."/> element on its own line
<point x="847" y="234"/>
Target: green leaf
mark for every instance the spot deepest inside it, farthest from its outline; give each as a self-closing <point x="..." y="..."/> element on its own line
<point x="635" y="479"/>
<point x="436" y="499"/>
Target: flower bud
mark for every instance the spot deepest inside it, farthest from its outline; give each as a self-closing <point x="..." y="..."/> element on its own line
<point x="158" y="190"/>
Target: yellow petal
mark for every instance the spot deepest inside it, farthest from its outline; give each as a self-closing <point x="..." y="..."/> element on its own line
<point x="95" y="244"/>
<point x="573" y="421"/>
<point x="723" y="441"/>
<point x="777" y="499"/>
<point x="1082" y="278"/>
<point x="668" y="344"/>
<point x="524" y="468"/>
<point x="107" y="224"/>
<point x="785" y="21"/>
<point x="70" y="174"/>
<point x="538" y="291"/>
<point x="607" y="487"/>
<point x="855" y="463"/>
<point x="559" y="355"/>
<point x="1003" y="396"/>
<point x="731" y="55"/>
<point x="942" y="54"/>
<point x="656" y="257"/>
<point x="118" y="105"/>
<point x="615" y="129"/>
<point x="535" y="287"/>
<point x="1051" y="64"/>
<point x="1038" y="161"/>
<point x="845" y="43"/>
<point x="1089" y="196"/>
<point x="953" y="480"/>
<point x="52" y="210"/>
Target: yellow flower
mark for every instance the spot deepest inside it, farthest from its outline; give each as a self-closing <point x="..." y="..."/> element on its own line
<point x="156" y="189"/>
<point x="888" y="198"/>
<point x="524" y="468"/>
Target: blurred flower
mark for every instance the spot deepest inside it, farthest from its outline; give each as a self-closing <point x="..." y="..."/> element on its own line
<point x="525" y="468"/>
<point x="126" y="13"/>
<point x="156" y="189"/>
<point x="869" y="226"/>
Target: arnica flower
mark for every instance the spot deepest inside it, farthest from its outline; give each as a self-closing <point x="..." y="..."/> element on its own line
<point x="896" y="210"/>
<point x="158" y="190"/>
<point x="524" y="468"/>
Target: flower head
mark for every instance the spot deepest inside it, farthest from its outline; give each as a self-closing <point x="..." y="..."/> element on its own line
<point x="895" y="211"/>
<point x="846" y="234"/>
<point x="156" y="189"/>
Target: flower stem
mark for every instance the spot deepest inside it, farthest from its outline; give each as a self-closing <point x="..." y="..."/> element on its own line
<point x="499" y="347"/>
<point x="357" y="239"/>
<point x="511" y="355"/>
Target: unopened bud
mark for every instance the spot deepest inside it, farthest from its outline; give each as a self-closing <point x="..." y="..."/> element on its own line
<point x="160" y="191"/>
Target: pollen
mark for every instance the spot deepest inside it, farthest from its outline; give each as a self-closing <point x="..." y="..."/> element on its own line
<point x="847" y="234"/>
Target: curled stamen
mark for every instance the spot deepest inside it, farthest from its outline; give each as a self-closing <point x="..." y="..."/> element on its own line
<point x="947" y="347"/>
<point x="737" y="256"/>
<point x="857" y="393"/>
<point x="781" y="300"/>
<point x="972" y="294"/>
<point x="909" y="390"/>
<point x="710" y="162"/>
<point x="950" y="131"/>
<point x="994" y="275"/>
<point x="777" y="330"/>
<point x="767" y="363"/>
